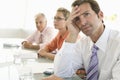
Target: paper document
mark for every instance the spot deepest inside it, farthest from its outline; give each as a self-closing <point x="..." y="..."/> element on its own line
<point x="39" y="67"/>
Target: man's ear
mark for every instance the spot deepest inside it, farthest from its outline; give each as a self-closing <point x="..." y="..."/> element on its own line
<point x="101" y="15"/>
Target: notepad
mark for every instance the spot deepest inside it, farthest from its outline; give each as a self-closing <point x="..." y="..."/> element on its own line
<point x="8" y="45"/>
<point x="28" y="55"/>
<point x="39" y="67"/>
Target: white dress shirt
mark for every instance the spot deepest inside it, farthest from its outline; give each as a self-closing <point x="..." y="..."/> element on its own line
<point x="47" y="35"/>
<point x="73" y="56"/>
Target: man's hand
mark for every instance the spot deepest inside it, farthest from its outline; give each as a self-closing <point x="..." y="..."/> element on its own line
<point x="27" y="44"/>
<point x="52" y="77"/>
<point x="73" y="21"/>
<point x="73" y="26"/>
<point x="81" y="72"/>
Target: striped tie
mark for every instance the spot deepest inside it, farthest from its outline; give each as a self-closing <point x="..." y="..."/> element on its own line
<point x="92" y="73"/>
<point x="41" y="38"/>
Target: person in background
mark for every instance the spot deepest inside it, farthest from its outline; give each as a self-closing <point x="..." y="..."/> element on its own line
<point x="60" y="18"/>
<point x="41" y="36"/>
<point x="100" y="43"/>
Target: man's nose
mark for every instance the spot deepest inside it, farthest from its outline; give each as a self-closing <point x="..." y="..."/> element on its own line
<point x="82" y="20"/>
<point x="38" y="24"/>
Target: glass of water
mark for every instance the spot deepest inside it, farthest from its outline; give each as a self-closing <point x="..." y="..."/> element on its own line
<point x="25" y="73"/>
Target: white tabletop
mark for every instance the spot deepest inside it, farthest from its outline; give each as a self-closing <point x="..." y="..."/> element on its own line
<point x="9" y="70"/>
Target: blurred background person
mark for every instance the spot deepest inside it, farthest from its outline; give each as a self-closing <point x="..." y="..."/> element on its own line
<point x="41" y="35"/>
<point x="60" y="18"/>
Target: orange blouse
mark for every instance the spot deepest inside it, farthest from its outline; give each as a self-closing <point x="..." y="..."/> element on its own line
<point x="57" y="42"/>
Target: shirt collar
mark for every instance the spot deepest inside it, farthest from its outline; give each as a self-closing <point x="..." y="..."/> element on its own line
<point x="44" y="30"/>
<point x="65" y="35"/>
<point x="102" y="41"/>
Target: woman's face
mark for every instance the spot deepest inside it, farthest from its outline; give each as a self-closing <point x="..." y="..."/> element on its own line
<point x="59" y="21"/>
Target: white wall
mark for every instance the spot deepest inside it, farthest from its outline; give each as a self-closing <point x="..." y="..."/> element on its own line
<point x="48" y="7"/>
<point x="14" y="33"/>
<point x="12" y="13"/>
<point x="17" y="16"/>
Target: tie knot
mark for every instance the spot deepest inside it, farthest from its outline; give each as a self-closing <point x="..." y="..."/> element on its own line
<point x="41" y="34"/>
<point x="95" y="47"/>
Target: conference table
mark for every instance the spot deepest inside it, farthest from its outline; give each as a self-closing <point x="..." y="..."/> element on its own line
<point x="15" y="60"/>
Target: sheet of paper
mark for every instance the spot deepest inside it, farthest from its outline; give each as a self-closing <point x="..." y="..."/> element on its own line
<point x="39" y="67"/>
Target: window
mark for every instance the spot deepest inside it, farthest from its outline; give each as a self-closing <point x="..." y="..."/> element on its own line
<point x="111" y="13"/>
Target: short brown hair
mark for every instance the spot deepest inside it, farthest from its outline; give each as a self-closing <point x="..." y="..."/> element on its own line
<point x="65" y="12"/>
<point x="93" y="3"/>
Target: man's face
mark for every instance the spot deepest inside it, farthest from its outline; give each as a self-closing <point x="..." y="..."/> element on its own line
<point x="40" y="23"/>
<point x="89" y="21"/>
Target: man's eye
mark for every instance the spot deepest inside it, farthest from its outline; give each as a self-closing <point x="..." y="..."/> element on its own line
<point x="86" y="14"/>
<point x="59" y="18"/>
<point x="77" y="19"/>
